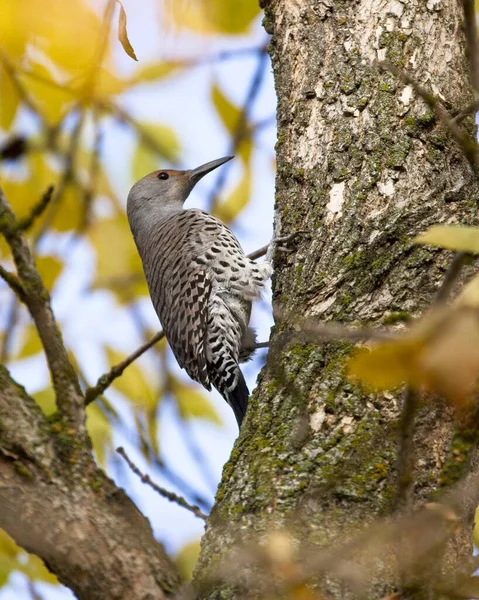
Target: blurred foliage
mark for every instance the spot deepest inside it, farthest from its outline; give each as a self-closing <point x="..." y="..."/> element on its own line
<point x="186" y="559"/>
<point x="60" y="82"/>
<point x="440" y="351"/>
<point x="13" y="558"/>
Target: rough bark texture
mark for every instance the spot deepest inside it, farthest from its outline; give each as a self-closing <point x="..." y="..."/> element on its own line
<point x="364" y="166"/>
<point x="56" y="503"/>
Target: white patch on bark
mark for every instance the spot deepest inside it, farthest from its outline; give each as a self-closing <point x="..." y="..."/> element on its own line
<point x="386" y="188"/>
<point x="316" y="420"/>
<point x="323" y="307"/>
<point x="432" y="4"/>
<point x="346" y="424"/>
<point x="406" y="95"/>
<point x="336" y="201"/>
<point x="395" y="8"/>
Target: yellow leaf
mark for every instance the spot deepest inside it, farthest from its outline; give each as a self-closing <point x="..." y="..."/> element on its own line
<point x="452" y="237"/>
<point x="123" y="35"/>
<point x="118" y="265"/>
<point x="164" y="145"/>
<point x="469" y="295"/>
<point x="31" y="342"/>
<point x="441" y="353"/>
<point x="99" y="430"/>
<point x="155" y="71"/>
<point x="386" y="366"/>
<point x="14" y="558"/>
<point x="214" y="16"/>
<point x="192" y="403"/>
<point x="187" y="558"/>
<point x="10" y="100"/>
<point x="227" y="111"/>
<point x="230" y="116"/>
<point x="70" y="209"/>
<point x="52" y="100"/>
<point x="230" y="208"/>
<point x="49" y="268"/>
<point x="46" y="400"/>
<point x="144" y="162"/>
<point x="133" y="383"/>
<point x="476" y="529"/>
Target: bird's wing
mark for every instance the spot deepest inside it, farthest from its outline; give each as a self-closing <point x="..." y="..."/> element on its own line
<point x="185" y="319"/>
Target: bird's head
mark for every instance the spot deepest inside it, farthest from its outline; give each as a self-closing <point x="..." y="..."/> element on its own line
<point x="164" y="192"/>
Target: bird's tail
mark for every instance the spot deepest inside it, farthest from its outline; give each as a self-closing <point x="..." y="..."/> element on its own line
<point x="237" y="397"/>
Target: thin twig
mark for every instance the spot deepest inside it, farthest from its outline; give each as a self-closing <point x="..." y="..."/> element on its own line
<point x="107" y="379"/>
<point x="470" y="109"/>
<point x="12" y="319"/>
<point x="450" y="278"/>
<point x="171" y="496"/>
<point x="468" y="146"/>
<point x="241" y="128"/>
<point x="37" y="210"/>
<point x="65" y="382"/>
<point x="470" y="29"/>
<point x="406" y="457"/>
<point x="13" y="283"/>
<point x="144" y="136"/>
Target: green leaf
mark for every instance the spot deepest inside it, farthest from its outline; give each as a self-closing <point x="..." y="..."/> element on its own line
<point x="187" y="558"/>
<point x="230" y="208"/>
<point x="123" y="35"/>
<point x="192" y="403"/>
<point x="452" y="237"/>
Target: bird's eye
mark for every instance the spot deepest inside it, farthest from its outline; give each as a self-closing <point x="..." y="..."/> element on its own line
<point x="163" y="175"/>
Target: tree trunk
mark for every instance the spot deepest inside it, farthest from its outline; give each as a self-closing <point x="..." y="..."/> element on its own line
<point x="364" y="166"/>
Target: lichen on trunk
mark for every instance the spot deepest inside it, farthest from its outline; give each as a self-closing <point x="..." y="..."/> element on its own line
<point x="364" y="166"/>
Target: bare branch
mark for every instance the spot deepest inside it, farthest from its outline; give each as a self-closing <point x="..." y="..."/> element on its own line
<point x="470" y="29"/>
<point x="13" y="283"/>
<point x="470" y="109"/>
<point x="37" y="299"/>
<point x="406" y="457"/>
<point x="450" y="278"/>
<point x="241" y="129"/>
<point x="107" y="379"/>
<point x="37" y="210"/>
<point x="171" y="496"/>
<point x="468" y="146"/>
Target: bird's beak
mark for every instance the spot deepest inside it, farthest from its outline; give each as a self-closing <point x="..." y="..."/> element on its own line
<point x="199" y="172"/>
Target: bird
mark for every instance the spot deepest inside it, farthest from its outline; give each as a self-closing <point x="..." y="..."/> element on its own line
<point x="200" y="281"/>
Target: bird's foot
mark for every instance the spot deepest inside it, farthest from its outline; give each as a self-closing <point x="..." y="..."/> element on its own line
<point x="283" y="243"/>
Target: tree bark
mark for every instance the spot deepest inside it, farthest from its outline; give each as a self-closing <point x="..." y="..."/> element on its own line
<point x="364" y="166"/>
<point x="56" y="503"/>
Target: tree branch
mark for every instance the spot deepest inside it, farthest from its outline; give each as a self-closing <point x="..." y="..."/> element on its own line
<point x="13" y="283"/>
<point x="37" y="299"/>
<point x="172" y="497"/>
<point x="37" y="211"/>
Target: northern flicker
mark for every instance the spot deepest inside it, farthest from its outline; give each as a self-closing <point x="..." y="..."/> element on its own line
<point x="200" y="281"/>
